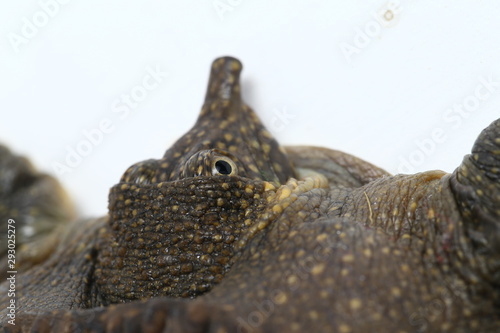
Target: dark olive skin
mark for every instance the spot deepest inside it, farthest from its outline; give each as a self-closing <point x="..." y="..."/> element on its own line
<point x="229" y="232"/>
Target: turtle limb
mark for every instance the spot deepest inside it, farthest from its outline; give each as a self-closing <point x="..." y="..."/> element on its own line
<point x="149" y="316"/>
<point x="476" y="187"/>
<point x="341" y="169"/>
<point x="34" y="204"/>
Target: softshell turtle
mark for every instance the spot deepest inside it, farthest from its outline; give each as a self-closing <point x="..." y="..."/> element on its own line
<point x="229" y="232"/>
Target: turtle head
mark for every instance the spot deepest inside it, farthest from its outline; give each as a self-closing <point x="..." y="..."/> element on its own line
<point x="175" y="223"/>
<point x="227" y="139"/>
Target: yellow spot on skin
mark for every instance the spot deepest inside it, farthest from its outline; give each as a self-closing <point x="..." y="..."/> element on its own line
<point x="343" y="328"/>
<point x="348" y="258"/>
<point x="266" y="134"/>
<point x="396" y="292"/>
<point x="266" y="148"/>
<point x="413" y="206"/>
<point x="235" y="66"/>
<point x="330" y="282"/>
<point x="405" y="268"/>
<point x="385" y="250"/>
<point x="292" y="280"/>
<point x="321" y="237"/>
<point x="285" y="193"/>
<point x="355" y="304"/>
<point x="255" y="144"/>
<point x="445" y="326"/>
<point x="277" y="209"/>
<point x="318" y="269"/>
<point x="344" y="271"/>
<point x="253" y="168"/>
<point x="228" y="136"/>
<point x="300" y="253"/>
<point x="280" y="298"/>
<point x="269" y="187"/>
<point x="367" y="253"/>
<point x="262" y="225"/>
<point x="313" y="315"/>
<point x="430" y="213"/>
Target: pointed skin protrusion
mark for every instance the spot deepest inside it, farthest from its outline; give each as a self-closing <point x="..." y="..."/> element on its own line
<point x="224" y="80"/>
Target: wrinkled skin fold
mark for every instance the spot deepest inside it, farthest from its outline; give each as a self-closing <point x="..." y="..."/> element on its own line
<point x="229" y="232"/>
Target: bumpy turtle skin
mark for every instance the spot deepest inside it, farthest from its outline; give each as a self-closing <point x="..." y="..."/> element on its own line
<point x="274" y="239"/>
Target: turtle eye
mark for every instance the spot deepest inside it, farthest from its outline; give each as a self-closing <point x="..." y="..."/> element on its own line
<point x="224" y="166"/>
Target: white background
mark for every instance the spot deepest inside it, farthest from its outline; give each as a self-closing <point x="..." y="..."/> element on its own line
<point x="378" y="102"/>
